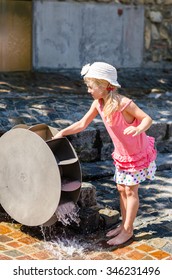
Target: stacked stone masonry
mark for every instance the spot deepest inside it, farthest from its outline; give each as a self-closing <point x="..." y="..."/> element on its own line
<point x="157" y="28"/>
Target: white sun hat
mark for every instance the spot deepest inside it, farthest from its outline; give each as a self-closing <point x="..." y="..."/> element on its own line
<point x="101" y="70"/>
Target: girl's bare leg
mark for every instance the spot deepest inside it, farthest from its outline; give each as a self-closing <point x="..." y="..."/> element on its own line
<point x="123" y="202"/>
<point x="131" y="211"/>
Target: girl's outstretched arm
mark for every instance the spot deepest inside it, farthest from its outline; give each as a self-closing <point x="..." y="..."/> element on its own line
<point x="137" y="113"/>
<point x="81" y="124"/>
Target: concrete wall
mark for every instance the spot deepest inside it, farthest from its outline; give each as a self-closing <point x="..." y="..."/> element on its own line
<point x="69" y="35"/>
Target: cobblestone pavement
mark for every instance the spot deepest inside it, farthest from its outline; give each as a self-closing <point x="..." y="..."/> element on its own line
<point x="58" y="99"/>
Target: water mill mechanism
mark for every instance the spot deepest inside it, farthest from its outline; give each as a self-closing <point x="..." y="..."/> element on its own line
<point x="40" y="177"/>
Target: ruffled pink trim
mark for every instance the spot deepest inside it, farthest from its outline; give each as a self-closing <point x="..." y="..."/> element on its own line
<point x="138" y="161"/>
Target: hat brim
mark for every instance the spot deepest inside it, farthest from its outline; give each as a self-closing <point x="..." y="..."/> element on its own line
<point x="114" y="83"/>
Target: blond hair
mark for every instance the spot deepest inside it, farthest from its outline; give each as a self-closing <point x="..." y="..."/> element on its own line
<point x="112" y="100"/>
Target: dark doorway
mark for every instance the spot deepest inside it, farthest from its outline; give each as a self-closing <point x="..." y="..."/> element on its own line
<point x="15" y="35"/>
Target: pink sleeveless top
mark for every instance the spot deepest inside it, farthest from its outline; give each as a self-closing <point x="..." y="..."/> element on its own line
<point x="130" y="153"/>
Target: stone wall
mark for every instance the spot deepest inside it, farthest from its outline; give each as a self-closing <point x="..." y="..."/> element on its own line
<point x="158" y="29"/>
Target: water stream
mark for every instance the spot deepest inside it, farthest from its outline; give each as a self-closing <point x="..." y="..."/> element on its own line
<point x="61" y="241"/>
<point x="67" y="213"/>
<point x="64" y="248"/>
<point x="65" y="243"/>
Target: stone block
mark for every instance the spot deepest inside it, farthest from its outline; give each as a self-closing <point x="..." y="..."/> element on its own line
<point x="98" y="169"/>
<point x="84" y="144"/>
<point x="87" y="195"/>
<point x="168" y="2"/>
<point x="106" y="151"/>
<point x="107" y="146"/>
<point x="104" y="136"/>
<point x="164" y="146"/>
<point x="89" y="220"/>
<point x="164" y="161"/>
<point x="156" y="16"/>
<point x="157" y="130"/>
<point x="110" y="217"/>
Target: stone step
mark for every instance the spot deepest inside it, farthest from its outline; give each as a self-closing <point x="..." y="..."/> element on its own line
<point x="164" y="161"/>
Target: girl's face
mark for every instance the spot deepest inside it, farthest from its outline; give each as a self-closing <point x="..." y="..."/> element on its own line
<point x="97" y="91"/>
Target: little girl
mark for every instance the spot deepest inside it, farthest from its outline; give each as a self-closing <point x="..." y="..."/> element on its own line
<point x="134" y="153"/>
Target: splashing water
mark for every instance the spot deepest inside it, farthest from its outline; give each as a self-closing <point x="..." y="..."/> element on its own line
<point x="64" y="244"/>
<point x="64" y="248"/>
<point x="67" y="213"/>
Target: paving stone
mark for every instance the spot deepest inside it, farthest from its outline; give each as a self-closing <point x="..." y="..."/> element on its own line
<point x="158" y="242"/>
<point x="145" y="248"/>
<point x="27" y="240"/>
<point x="135" y="255"/>
<point x="4" y="229"/>
<point x="3" y="257"/>
<point x="4" y="238"/>
<point x="167" y="248"/>
<point x="14" y="244"/>
<point x="160" y="255"/>
<point x="13" y="253"/>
